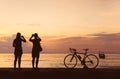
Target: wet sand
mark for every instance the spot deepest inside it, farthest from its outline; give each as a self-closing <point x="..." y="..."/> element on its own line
<point x="59" y="73"/>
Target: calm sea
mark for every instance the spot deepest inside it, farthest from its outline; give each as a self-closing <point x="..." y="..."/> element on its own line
<point x="56" y="61"/>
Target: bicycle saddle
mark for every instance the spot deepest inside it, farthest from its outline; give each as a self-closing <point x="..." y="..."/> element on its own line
<point x="86" y="49"/>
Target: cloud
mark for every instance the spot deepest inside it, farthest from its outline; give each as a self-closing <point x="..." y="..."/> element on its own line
<point x="107" y="37"/>
<point x="30" y="24"/>
<point x="107" y="42"/>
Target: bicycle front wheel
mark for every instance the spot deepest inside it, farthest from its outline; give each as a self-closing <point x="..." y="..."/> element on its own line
<point x="91" y="61"/>
<point x="70" y="61"/>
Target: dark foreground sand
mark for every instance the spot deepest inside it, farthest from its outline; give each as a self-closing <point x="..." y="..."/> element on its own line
<point x="59" y="73"/>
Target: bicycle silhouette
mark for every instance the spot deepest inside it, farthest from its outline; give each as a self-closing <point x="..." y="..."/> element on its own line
<point x="88" y="60"/>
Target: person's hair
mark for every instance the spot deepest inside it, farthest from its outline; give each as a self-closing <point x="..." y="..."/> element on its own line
<point x="18" y="35"/>
<point x="36" y="35"/>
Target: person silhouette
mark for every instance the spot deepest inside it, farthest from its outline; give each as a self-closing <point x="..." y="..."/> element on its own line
<point x="35" y="39"/>
<point x="17" y="44"/>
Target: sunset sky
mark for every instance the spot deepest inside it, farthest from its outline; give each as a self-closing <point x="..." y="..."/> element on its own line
<point x="61" y="24"/>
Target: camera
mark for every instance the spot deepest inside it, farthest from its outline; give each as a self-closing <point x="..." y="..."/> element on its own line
<point x="33" y="34"/>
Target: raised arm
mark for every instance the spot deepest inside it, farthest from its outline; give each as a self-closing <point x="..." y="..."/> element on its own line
<point x="23" y="39"/>
<point x="39" y="38"/>
<point x="31" y="38"/>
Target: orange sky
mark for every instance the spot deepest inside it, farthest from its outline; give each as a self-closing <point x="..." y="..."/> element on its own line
<point x="57" y="19"/>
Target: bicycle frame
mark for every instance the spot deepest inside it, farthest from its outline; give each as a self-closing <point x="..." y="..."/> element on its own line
<point x="77" y="54"/>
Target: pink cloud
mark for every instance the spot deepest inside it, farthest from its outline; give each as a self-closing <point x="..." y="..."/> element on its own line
<point x="109" y="43"/>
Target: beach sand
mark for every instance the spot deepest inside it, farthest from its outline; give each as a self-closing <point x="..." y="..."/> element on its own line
<point x="59" y="73"/>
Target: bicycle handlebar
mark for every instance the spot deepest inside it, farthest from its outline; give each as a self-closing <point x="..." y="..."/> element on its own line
<point x="74" y="50"/>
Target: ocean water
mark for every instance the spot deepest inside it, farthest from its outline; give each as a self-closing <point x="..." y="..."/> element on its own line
<point x="56" y="61"/>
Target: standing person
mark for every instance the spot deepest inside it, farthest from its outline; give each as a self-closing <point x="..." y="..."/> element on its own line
<point x="35" y="39"/>
<point x="17" y="43"/>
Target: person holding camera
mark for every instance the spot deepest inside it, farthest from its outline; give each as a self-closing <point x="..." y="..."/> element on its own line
<point x="35" y="39"/>
<point x="17" y="44"/>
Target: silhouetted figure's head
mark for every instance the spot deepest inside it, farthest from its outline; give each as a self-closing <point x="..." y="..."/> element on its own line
<point x="36" y="35"/>
<point x="18" y="35"/>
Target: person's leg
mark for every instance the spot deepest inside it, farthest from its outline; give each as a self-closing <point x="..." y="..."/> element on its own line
<point x="33" y="60"/>
<point x="19" y="60"/>
<point x="37" y="60"/>
<point x="15" y="60"/>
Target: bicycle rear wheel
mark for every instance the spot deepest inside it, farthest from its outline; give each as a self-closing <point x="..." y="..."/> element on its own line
<point x="91" y="61"/>
<point x="70" y="61"/>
